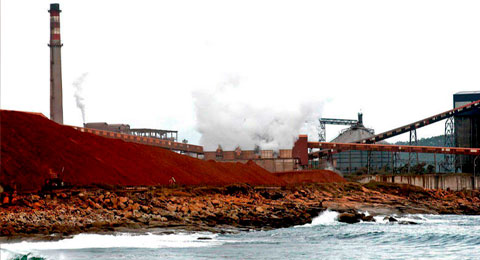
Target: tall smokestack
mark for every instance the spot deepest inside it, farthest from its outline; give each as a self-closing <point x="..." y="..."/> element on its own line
<point x="56" y="104"/>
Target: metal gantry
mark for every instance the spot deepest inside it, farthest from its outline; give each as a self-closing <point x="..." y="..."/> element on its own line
<point x="322" y="132"/>
<point x="413" y="141"/>
<point x="448" y="163"/>
<point x="155" y="133"/>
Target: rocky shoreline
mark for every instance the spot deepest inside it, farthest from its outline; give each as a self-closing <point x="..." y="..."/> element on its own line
<point x="62" y="213"/>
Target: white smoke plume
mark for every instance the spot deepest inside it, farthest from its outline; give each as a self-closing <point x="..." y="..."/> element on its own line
<point x="228" y="117"/>
<point x="79" y="99"/>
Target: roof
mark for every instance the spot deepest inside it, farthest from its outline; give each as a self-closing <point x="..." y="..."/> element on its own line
<point x="352" y="135"/>
<point x="467" y="92"/>
<point x="96" y="123"/>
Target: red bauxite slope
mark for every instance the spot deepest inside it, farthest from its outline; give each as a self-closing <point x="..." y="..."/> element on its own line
<point x="32" y="146"/>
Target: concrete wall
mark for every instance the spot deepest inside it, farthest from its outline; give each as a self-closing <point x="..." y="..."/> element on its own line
<point x="452" y="182"/>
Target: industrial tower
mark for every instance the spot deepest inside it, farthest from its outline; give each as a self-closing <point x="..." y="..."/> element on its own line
<point x="56" y="103"/>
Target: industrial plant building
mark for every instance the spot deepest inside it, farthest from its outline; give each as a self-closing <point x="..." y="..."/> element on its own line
<point x="268" y="159"/>
<point x="170" y="135"/>
<point x="466" y="130"/>
<point x="352" y="161"/>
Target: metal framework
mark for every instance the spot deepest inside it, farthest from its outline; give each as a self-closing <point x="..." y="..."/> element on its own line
<point x="322" y="133"/>
<point x="395" y="157"/>
<point x="339" y="147"/>
<point x="155" y="133"/>
<point x="421" y="123"/>
<point x="413" y="141"/>
<point x="448" y="163"/>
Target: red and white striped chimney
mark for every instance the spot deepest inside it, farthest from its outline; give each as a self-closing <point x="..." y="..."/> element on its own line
<point x="56" y="103"/>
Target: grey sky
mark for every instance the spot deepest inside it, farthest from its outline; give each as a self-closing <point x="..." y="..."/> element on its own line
<point x="397" y="61"/>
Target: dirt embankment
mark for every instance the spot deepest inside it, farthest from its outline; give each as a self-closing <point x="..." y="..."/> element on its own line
<point x="215" y="209"/>
<point x="32" y="147"/>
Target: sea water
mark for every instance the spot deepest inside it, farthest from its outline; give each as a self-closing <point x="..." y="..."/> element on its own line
<point x="434" y="237"/>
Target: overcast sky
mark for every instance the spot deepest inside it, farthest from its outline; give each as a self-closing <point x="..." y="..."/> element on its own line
<point x="396" y="61"/>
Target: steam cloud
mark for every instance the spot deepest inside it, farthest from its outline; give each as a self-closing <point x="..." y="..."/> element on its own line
<point x="225" y="118"/>
<point x="79" y="99"/>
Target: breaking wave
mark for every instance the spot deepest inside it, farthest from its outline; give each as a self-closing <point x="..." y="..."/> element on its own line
<point x="327" y="217"/>
<point x="26" y="250"/>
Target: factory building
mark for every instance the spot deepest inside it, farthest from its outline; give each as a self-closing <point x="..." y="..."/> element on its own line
<point x="117" y="128"/>
<point x="467" y="131"/>
<point x="170" y="135"/>
<point x="270" y="160"/>
<point x="353" y="161"/>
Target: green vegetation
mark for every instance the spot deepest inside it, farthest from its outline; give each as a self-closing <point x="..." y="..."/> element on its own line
<point x="429" y="141"/>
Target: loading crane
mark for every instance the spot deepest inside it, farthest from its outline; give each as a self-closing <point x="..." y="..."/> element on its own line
<point x="322" y="133"/>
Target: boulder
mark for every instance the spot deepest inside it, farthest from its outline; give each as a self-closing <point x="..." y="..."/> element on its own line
<point x="349" y="218"/>
<point x="390" y="219"/>
<point x="356" y="217"/>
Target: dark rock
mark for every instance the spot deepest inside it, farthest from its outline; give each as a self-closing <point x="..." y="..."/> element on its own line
<point x="265" y="194"/>
<point x="315" y="211"/>
<point x="390" y="219"/>
<point x="354" y="217"/>
<point x="404" y="222"/>
<point x="368" y="219"/>
<point x="349" y="218"/>
<point x="237" y="189"/>
<point x="276" y="196"/>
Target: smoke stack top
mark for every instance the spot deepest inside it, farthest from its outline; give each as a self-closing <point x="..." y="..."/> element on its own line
<point x="55" y="24"/>
<point x="55" y="7"/>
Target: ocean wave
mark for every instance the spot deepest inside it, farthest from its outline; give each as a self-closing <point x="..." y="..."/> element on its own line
<point x="327" y="217"/>
<point x="9" y="255"/>
<point x="122" y="240"/>
<point x="405" y="218"/>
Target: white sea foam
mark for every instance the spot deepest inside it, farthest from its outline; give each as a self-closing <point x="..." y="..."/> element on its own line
<point x="408" y="218"/>
<point x="4" y="254"/>
<point x="123" y="240"/>
<point x="327" y="217"/>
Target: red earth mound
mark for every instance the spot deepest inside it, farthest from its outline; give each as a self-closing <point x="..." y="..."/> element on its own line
<point x="313" y="176"/>
<point x="32" y="146"/>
